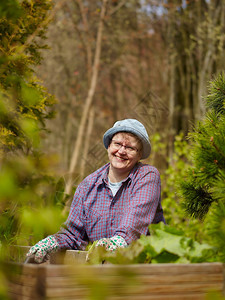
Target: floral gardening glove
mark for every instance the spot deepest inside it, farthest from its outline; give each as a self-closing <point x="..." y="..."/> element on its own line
<point x="42" y="249"/>
<point x="111" y="244"/>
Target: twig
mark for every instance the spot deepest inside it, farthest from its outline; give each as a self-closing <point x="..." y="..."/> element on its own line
<point x="117" y="7"/>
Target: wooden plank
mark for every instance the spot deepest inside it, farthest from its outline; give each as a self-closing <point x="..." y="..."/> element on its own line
<point x="31" y="283"/>
<point x="14" y="296"/>
<point x="22" y="290"/>
<point x="162" y="280"/>
<point x="68" y="281"/>
<point x="75" y="256"/>
<point x="169" y="268"/>
<point x="18" y="253"/>
<point x="199" y="296"/>
<point x="181" y="278"/>
<point x="180" y="288"/>
<point x="143" y="269"/>
<point x="142" y="297"/>
<point x="139" y="290"/>
<point x="68" y="292"/>
<point x="20" y="268"/>
<point x="223" y="279"/>
<point x="24" y="280"/>
<point x="165" y="289"/>
<point x="33" y="269"/>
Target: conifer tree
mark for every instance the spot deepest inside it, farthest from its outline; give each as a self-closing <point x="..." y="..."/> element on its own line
<point x="204" y="187"/>
<point x="27" y="183"/>
<point x="27" y="209"/>
<point x="24" y="103"/>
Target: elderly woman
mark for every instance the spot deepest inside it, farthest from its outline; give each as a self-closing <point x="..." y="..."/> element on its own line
<point x="115" y="204"/>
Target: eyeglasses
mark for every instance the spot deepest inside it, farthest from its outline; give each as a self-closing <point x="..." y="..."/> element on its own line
<point x="117" y="146"/>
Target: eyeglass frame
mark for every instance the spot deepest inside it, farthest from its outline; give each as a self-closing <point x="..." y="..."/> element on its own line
<point x="119" y="145"/>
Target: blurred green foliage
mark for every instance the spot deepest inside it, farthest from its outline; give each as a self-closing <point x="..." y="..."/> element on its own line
<point x="166" y="244"/>
<point x="214" y="296"/>
<point x="29" y="206"/>
<point x="203" y="185"/>
<point x="27" y="177"/>
<point x="172" y="199"/>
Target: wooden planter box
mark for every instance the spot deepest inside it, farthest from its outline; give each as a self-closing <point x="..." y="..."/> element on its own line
<point x="75" y="280"/>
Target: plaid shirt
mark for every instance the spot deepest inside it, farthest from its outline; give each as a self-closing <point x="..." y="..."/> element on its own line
<point x="96" y="214"/>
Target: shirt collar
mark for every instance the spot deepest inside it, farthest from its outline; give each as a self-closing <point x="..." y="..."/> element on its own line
<point x="104" y="177"/>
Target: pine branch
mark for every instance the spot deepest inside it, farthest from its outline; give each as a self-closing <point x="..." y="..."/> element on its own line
<point x="216" y="98"/>
<point x="217" y="149"/>
<point x="197" y="200"/>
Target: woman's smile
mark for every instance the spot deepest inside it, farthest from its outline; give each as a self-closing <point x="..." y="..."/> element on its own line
<point x="124" y="152"/>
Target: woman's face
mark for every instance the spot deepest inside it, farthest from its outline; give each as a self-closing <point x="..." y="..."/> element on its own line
<point x="124" y="152"/>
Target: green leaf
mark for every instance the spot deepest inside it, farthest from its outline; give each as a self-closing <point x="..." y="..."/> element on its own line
<point x="164" y="241"/>
<point x="165" y="257"/>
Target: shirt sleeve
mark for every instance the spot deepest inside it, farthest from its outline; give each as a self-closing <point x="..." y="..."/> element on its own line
<point x="72" y="233"/>
<point x="145" y="199"/>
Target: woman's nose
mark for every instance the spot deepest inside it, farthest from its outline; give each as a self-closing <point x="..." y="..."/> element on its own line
<point x="122" y="149"/>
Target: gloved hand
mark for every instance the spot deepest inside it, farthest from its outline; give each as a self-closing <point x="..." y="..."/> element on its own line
<point x="111" y="244"/>
<point x="42" y="249"/>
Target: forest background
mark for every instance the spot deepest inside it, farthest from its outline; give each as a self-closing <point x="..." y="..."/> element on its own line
<point x="88" y="64"/>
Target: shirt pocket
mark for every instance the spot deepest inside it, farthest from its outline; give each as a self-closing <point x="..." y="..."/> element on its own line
<point x="94" y="213"/>
<point x="96" y="226"/>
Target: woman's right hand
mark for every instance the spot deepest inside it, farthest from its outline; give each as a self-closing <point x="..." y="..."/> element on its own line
<point x="41" y="251"/>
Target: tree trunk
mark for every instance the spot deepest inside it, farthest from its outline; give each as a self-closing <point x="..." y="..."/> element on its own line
<point x="87" y="142"/>
<point x="87" y="105"/>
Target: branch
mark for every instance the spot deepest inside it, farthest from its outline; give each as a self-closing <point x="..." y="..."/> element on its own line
<point x="87" y="44"/>
<point x="122" y="3"/>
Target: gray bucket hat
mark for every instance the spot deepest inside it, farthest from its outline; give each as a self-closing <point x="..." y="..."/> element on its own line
<point x="132" y="126"/>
